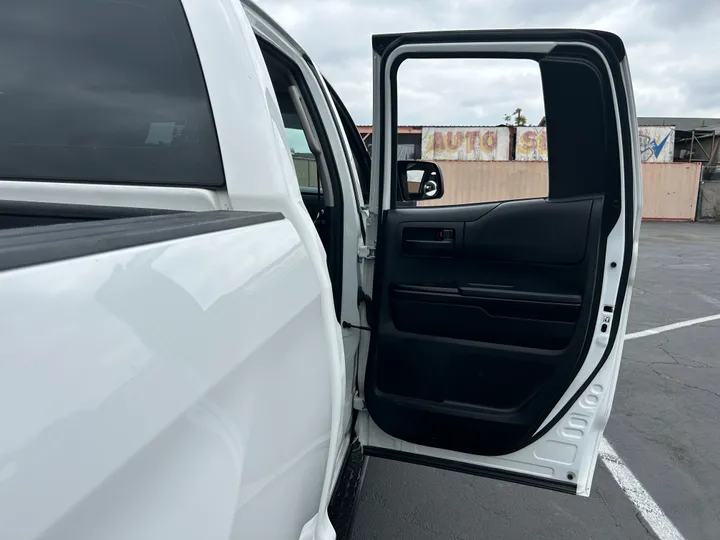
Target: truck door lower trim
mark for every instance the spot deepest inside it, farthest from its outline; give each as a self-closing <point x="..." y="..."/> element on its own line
<point x="475" y="470"/>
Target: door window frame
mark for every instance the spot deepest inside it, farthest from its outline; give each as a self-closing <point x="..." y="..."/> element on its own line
<point x="335" y="248"/>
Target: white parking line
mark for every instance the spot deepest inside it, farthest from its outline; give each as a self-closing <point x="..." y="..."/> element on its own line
<point x="641" y="499"/>
<point x="660" y="329"/>
<point x="631" y="486"/>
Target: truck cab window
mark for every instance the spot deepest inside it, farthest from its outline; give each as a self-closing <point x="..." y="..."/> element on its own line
<point x="82" y="101"/>
<point x="313" y="159"/>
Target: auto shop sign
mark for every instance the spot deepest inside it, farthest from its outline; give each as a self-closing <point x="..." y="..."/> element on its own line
<point x="657" y="144"/>
<point x="466" y="144"/>
<point x="531" y="144"/>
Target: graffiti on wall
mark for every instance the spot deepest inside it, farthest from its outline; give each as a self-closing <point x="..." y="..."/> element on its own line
<point x="531" y="144"/>
<point x="657" y="143"/>
<point x="466" y="144"/>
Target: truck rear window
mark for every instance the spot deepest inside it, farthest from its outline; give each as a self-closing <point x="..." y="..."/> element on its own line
<point x="107" y="91"/>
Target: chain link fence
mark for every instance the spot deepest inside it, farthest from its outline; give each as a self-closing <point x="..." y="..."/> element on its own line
<point x="709" y="194"/>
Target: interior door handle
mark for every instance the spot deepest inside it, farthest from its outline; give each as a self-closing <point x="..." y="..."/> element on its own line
<point x="439" y="241"/>
<point x="429" y="248"/>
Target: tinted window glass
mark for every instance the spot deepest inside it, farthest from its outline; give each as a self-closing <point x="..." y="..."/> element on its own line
<point x="103" y="91"/>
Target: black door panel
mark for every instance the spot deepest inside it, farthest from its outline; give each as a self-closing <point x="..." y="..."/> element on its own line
<point x="511" y="321"/>
<point x="480" y="317"/>
<point x="544" y="261"/>
<point x="458" y="385"/>
<point x="531" y="231"/>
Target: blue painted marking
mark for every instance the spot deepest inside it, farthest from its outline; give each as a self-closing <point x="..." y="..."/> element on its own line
<point x="658" y="146"/>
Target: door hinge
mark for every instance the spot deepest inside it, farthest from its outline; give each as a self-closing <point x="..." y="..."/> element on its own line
<point x="358" y="403"/>
<point x="366" y="252"/>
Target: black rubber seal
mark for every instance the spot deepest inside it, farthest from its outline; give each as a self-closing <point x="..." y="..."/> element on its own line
<point x="600" y="39"/>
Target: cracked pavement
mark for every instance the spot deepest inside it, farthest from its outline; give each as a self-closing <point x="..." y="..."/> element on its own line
<point x="664" y="425"/>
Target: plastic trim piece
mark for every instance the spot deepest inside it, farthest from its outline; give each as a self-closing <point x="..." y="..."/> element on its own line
<point x="29" y="246"/>
<point x="80" y="212"/>
<point x="475" y="470"/>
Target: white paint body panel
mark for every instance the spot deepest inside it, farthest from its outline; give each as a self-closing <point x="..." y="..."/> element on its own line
<point x="202" y="387"/>
<point x="257" y="162"/>
<point x="268" y="31"/>
<point x="225" y="427"/>
<point x="174" y="390"/>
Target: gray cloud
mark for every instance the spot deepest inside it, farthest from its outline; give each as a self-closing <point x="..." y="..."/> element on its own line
<point x="672" y="47"/>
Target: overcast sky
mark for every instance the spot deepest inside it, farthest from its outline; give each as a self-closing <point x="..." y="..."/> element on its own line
<point x="673" y="47"/>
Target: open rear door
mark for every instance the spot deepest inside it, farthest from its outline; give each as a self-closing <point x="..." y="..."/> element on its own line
<point x="497" y="328"/>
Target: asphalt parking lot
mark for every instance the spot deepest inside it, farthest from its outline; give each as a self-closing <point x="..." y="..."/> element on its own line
<point x="664" y="426"/>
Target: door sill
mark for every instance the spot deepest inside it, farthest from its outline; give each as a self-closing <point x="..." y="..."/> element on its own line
<point x="476" y="470"/>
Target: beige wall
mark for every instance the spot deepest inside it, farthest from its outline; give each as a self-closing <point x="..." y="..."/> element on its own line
<point x="469" y="182"/>
<point x="669" y="189"/>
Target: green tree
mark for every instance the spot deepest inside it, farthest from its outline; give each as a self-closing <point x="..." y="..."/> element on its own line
<point x="516" y="118"/>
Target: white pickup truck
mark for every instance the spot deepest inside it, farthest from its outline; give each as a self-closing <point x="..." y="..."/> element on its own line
<point x="196" y="346"/>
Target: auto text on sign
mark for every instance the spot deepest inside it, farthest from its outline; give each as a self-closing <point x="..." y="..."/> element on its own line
<point x="466" y="144"/>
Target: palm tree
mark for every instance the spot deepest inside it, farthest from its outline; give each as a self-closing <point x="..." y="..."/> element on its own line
<point x="520" y="119"/>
